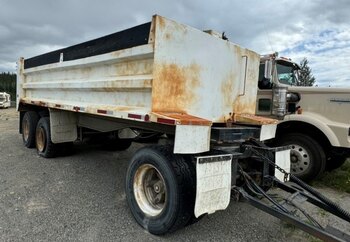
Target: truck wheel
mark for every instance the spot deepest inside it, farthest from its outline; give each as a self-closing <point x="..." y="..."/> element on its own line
<point x="308" y="160"/>
<point x="43" y="142"/>
<point x="29" y="122"/>
<point x="336" y="161"/>
<point x="159" y="190"/>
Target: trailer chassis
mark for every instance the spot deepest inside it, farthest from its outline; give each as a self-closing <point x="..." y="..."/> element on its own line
<point x="285" y="208"/>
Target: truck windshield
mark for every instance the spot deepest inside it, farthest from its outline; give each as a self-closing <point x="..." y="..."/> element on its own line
<point x="287" y="74"/>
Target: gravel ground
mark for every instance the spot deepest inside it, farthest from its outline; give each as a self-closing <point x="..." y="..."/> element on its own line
<point x="81" y="198"/>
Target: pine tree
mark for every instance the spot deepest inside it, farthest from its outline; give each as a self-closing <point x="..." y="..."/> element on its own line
<point x="8" y="84"/>
<point x="306" y="78"/>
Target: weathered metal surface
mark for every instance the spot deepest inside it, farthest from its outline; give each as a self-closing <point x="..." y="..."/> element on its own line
<point x="182" y="76"/>
<point x="191" y="139"/>
<point x="253" y="119"/>
<point x="201" y="75"/>
<point x="181" y="118"/>
<point x="213" y="184"/>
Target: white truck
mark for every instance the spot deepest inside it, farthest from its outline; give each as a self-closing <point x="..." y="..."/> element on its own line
<point x="5" y="100"/>
<point x="163" y="77"/>
<point x="315" y="121"/>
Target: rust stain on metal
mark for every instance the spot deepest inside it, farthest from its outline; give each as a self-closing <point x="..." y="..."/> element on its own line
<point x="173" y="87"/>
<point x="253" y="119"/>
<point x="244" y="106"/>
<point x="160" y="22"/>
<point x="183" y="118"/>
<point x="227" y="90"/>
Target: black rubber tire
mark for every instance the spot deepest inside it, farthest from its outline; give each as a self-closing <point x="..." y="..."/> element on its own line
<point x="50" y="149"/>
<point x="317" y="157"/>
<point x="336" y="161"/>
<point x="31" y="119"/>
<point x="179" y="182"/>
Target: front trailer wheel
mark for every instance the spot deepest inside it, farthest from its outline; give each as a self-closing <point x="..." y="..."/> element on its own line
<point x="160" y="189"/>
<point x="308" y="159"/>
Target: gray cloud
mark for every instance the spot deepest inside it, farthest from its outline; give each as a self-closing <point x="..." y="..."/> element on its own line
<point x="29" y="28"/>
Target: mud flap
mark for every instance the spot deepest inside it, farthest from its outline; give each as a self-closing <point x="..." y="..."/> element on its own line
<point x="282" y="160"/>
<point x="213" y="184"/>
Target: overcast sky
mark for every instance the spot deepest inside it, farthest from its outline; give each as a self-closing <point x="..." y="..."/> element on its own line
<point x="316" y="29"/>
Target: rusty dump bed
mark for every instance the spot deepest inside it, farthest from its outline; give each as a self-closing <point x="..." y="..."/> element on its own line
<point x="160" y="71"/>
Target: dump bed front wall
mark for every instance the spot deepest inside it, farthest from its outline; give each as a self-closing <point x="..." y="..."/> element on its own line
<point x="201" y="75"/>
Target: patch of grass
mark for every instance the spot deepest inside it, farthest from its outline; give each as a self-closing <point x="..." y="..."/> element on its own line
<point x="338" y="178"/>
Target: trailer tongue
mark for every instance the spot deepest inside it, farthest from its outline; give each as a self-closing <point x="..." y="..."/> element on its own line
<point x="292" y="201"/>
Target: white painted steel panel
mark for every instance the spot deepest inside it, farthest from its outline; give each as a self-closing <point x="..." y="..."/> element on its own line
<point x="282" y="159"/>
<point x="268" y="131"/>
<point x="201" y="75"/>
<point x="191" y="139"/>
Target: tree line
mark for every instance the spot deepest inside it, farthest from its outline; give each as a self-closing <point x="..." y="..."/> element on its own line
<point x="8" y="84"/>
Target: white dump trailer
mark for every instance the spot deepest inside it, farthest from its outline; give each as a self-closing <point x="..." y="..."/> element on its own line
<point x="193" y="89"/>
<point x="5" y="100"/>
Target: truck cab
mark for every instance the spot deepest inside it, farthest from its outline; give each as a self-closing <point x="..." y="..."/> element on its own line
<point x="314" y="121"/>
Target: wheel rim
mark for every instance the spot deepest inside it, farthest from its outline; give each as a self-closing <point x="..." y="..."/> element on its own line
<point x="300" y="159"/>
<point x="150" y="190"/>
<point x="40" y="139"/>
<point x="25" y="130"/>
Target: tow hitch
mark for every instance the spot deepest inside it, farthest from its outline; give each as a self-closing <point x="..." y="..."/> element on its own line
<point x="293" y="200"/>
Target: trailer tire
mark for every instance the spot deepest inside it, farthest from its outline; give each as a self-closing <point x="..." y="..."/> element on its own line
<point x="308" y="158"/>
<point x="159" y="189"/>
<point x="29" y="122"/>
<point x="336" y="161"/>
<point x="43" y="142"/>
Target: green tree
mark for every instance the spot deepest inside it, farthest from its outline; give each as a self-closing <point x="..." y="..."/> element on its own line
<point x="8" y="84"/>
<point x="306" y="78"/>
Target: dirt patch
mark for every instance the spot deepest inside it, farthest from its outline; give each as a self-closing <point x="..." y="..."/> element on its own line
<point x="8" y="114"/>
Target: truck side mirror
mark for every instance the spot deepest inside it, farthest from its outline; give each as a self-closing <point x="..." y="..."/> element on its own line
<point x="268" y="69"/>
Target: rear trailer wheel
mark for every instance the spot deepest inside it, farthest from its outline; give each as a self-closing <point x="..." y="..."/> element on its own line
<point x="44" y="145"/>
<point x="160" y="190"/>
<point x="308" y="159"/>
<point x="29" y="122"/>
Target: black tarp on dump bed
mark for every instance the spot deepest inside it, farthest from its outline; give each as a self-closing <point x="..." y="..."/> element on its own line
<point x="128" y="38"/>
